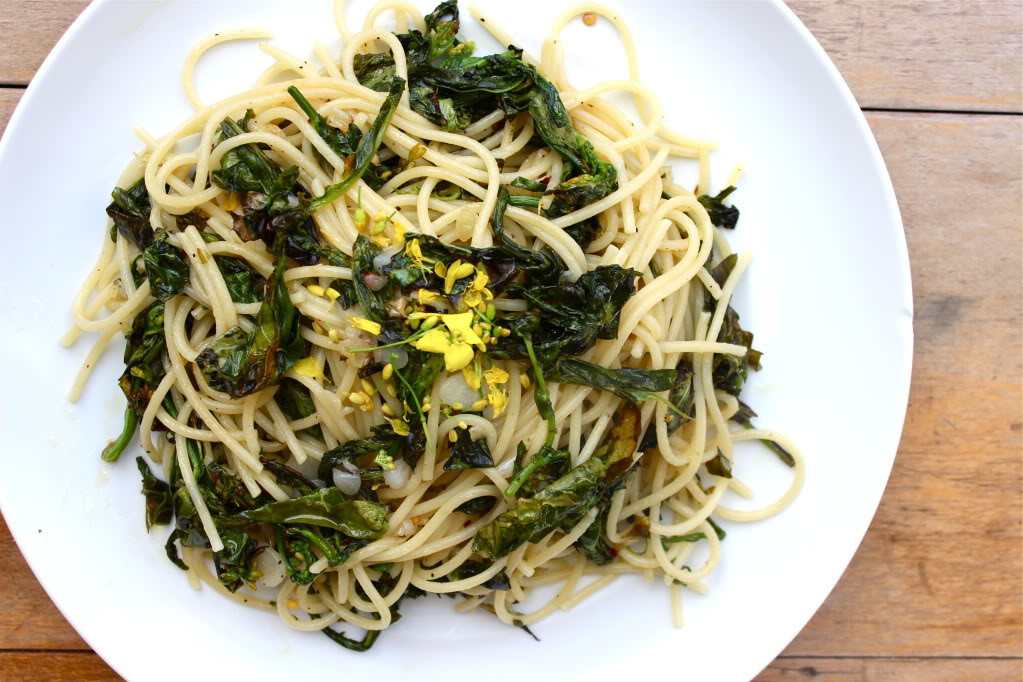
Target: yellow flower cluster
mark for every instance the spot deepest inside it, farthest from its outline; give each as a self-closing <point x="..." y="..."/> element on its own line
<point x="329" y="293"/>
<point x="455" y="341"/>
<point x="377" y="232"/>
<point x="478" y="293"/>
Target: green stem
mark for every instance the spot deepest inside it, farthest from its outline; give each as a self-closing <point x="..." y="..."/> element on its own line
<point x="131" y="422"/>
<point x="540" y="394"/>
<point x="328" y="551"/>
<point x="195" y="455"/>
<point x="412" y="337"/>
<point x="310" y="112"/>
<point x="367" y="148"/>
<point x="524" y="201"/>
<point x="415" y="402"/>
<point x="541" y="459"/>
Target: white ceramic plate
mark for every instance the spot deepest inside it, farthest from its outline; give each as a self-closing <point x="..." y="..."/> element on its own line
<point x="828" y="296"/>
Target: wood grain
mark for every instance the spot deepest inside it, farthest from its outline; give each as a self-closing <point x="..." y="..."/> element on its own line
<point x="29" y="29"/>
<point x="962" y="55"/>
<point x="9" y="98"/>
<point x="890" y="670"/>
<point x="86" y="666"/>
<point x="55" y="666"/>
<point x="959" y="55"/>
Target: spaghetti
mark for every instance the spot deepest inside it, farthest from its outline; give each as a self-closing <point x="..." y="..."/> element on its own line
<point x="395" y="328"/>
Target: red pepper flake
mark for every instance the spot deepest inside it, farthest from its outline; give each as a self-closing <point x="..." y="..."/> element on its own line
<point x="545" y="180"/>
<point x="589" y="18"/>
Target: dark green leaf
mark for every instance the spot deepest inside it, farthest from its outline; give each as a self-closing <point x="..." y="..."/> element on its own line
<point x="236" y="563"/>
<point x="297" y="553"/>
<point x="158" y="497"/>
<point x="245" y="168"/>
<point x="729" y="371"/>
<point x="285" y="475"/>
<point x="565" y="501"/>
<point x="529" y="185"/>
<point x="470" y="568"/>
<point x="375" y="71"/>
<point x="720" y="465"/>
<point x="130" y="212"/>
<point x="372" y="302"/>
<point x="384" y="585"/>
<point x="241" y="363"/>
<point x="467" y="453"/>
<point x="541" y="266"/>
<point x="325" y="507"/>
<point x="634" y="385"/>
<point x="568" y="318"/>
<point x="172" y="549"/>
<point x="695" y="537"/>
<point x="344" y="143"/>
<point x="413" y="381"/>
<point x="409" y="274"/>
<point x="544" y="467"/>
<point x="681" y="398"/>
<point x="243" y="283"/>
<point x="143" y="358"/>
<point x="720" y="215"/>
<point x="593" y="544"/>
<point x="296" y="402"/>
<point x="367" y="148"/>
<point x="477" y="505"/>
<point x="166" y="267"/>
<point x="383" y="440"/>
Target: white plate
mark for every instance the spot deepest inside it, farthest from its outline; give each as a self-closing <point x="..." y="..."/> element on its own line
<point x="828" y="296"/>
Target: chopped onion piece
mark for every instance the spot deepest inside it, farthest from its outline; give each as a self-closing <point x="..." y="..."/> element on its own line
<point x="374" y="281"/>
<point x="384" y="356"/>
<point x="453" y="389"/>
<point x="347" y="482"/>
<point x="398" y="476"/>
<point x="506" y="467"/>
<point x="269" y="563"/>
<point x="384" y="257"/>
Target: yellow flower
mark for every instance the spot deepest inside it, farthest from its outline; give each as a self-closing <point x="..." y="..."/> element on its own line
<point x="495" y="376"/>
<point x="382" y="241"/>
<point x="365" y="325"/>
<point x="455" y="344"/>
<point x="498" y="400"/>
<point x="427" y="297"/>
<point x="399" y="426"/>
<point x="440" y="269"/>
<point x="308" y="367"/>
<point x="477" y="291"/>
<point x="457" y="271"/>
<point x="471" y="378"/>
<point x="399" y="234"/>
<point x="414" y="251"/>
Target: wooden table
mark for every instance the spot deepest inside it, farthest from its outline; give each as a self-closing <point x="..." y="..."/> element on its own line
<point x="935" y="592"/>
